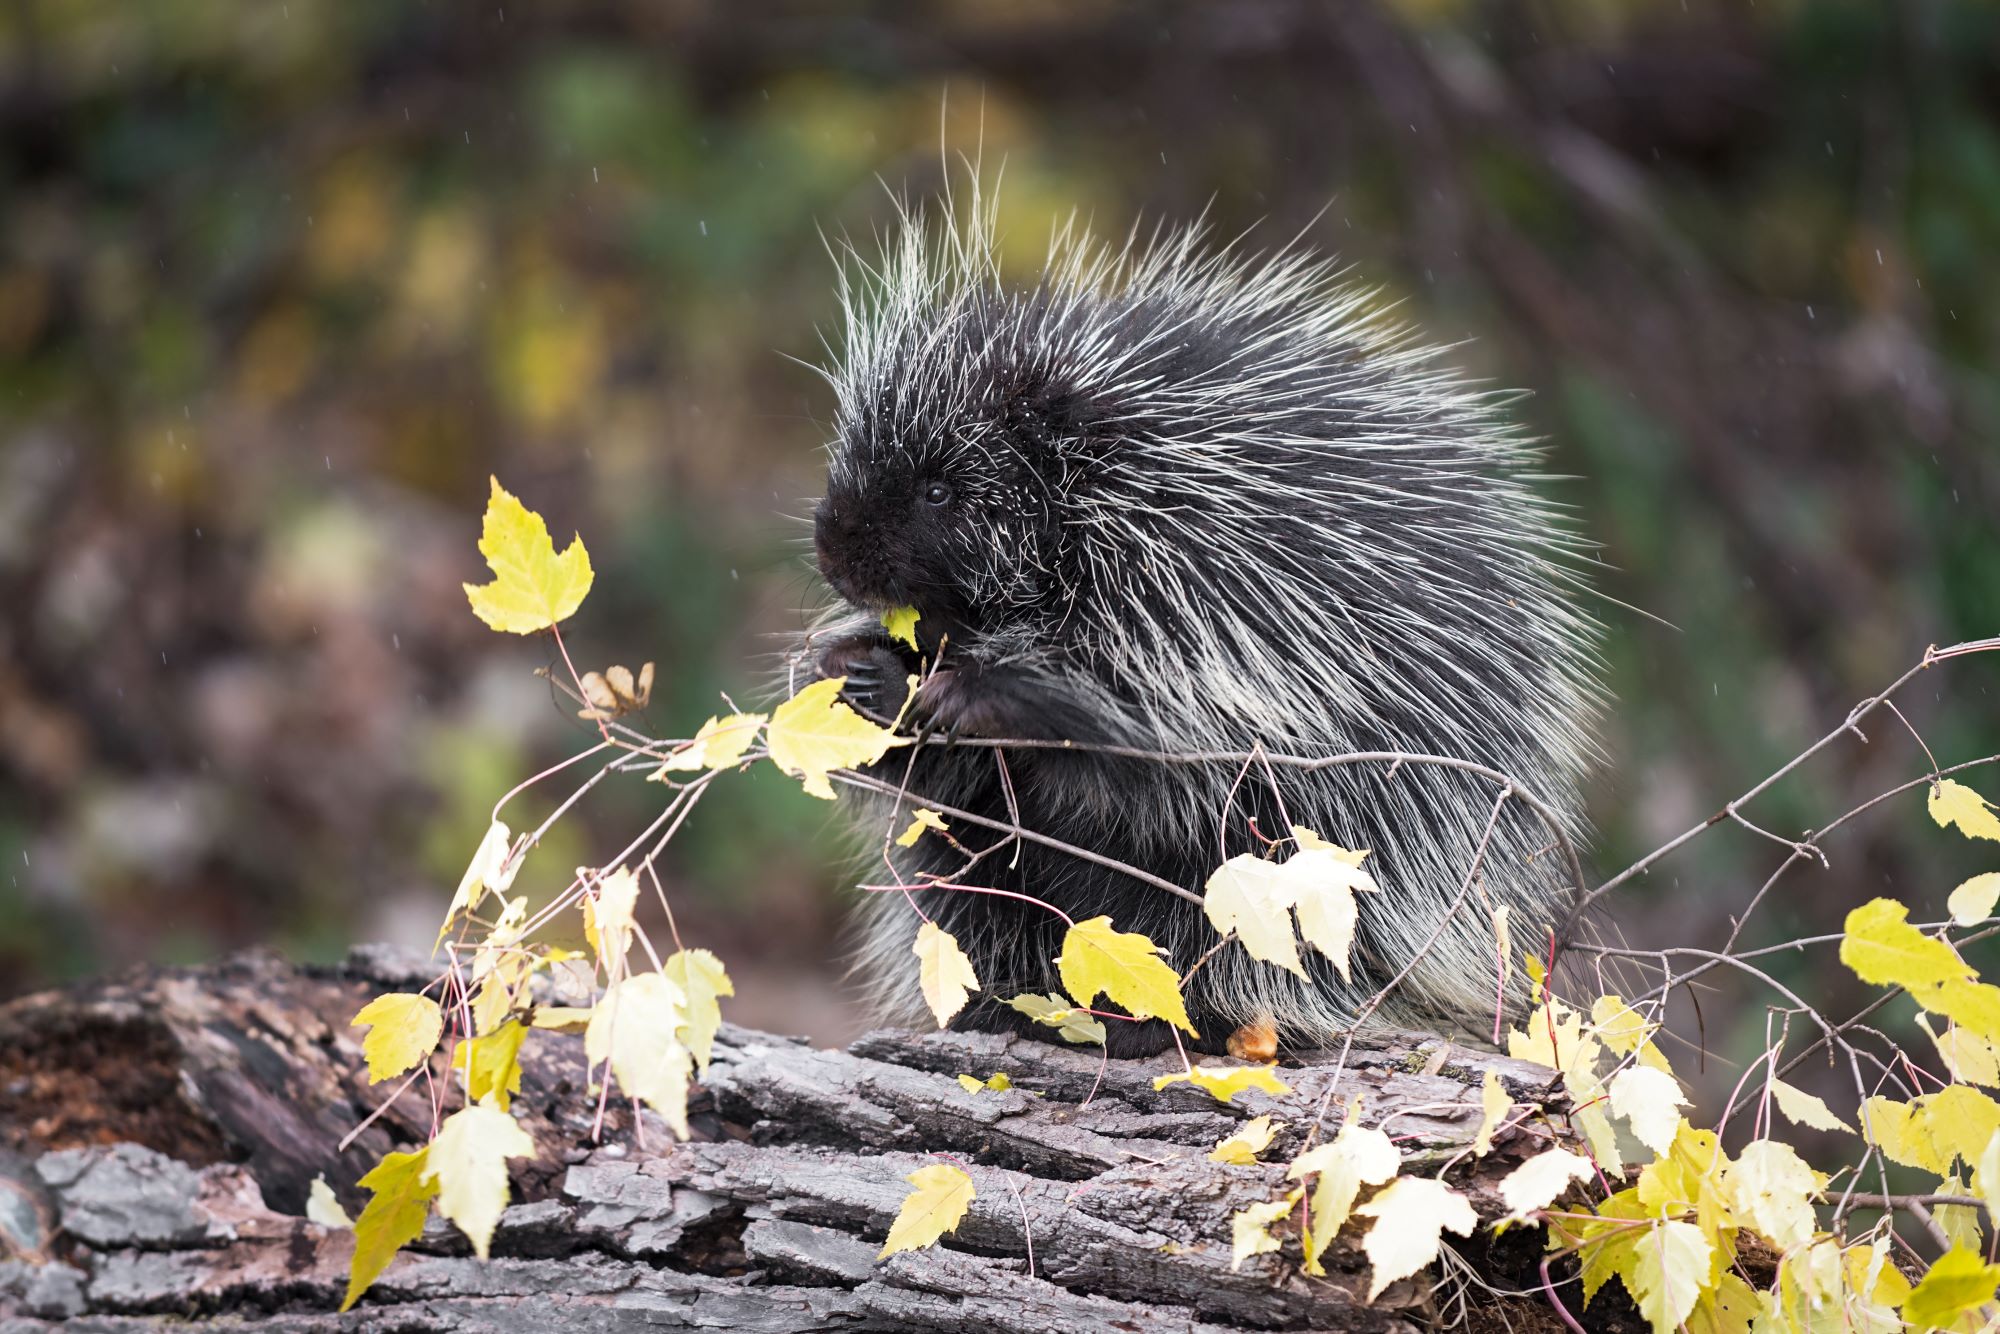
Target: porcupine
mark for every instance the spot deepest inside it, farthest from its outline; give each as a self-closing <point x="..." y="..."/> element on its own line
<point x="1182" y="498"/>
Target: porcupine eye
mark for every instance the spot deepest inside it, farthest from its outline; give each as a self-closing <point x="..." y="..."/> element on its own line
<point x="937" y="493"/>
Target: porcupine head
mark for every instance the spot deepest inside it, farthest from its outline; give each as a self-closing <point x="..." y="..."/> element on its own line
<point x="1185" y="500"/>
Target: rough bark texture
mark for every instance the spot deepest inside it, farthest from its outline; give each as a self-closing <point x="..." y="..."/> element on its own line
<point x="158" y="1136"/>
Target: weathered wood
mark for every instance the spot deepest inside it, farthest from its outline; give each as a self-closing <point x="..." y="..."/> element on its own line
<point x="158" y="1135"/>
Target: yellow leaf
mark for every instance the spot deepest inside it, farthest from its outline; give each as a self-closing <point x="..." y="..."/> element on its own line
<point x="1952" y="803"/>
<point x="561" y="1018"/>
<point x="1803" y="1109"/>
<point x="1647" y="1100"/>
<point x="404" y="1029"/>
<point x="1253" y="898"/>
<point x="922" y="820"/>
<point x="490" y="1004"/>
<point x="468" y="1160"/>
<point x="997" y="1081"/>
<point x="901" y="623"/>
<point x="934" y="1208"/>
<point x="489" y="869"/>
<point x="492" y="1064"/>
<point x="1972" y="902"/>
<point x="1494" y="1104"/>
<point x="1243" y="1147"/>
<point x="1223" y="1083"/>
<point x="1729" y="1309"/>
<point x="1411" y="1214"/>
<point x="813" y="733"/>
<point x="1974" y="1005"/>
<point x="1958" y="1222"/>
<point x="1070" y="1023"/>
<point x="1960" y="1282"/>
<point x="533" y="587"/>
<point x="1124" y="966"/>
<point x="1250" y="1229"/>
<point x="719" y="744"/>
<point x="607" y="919"/>
<point x="1621" y="1027"/>
<point x="1669" y="1267"/>
<point x="636" y="1027"/>
<point x="1986" y="1177"/>
<point x="403" y="1187"/>
<point x="1538" y="1182"/>
<point x="943" y="971"/>
<point x="1771" y="1189"/>
<point x="1325" y="878"/>
<point x="703" y="982"/>
<point x="1358" y="1156"/>
<point x="1970" y="1058"/>
<point x="323" y="1206"/>
<point x="1883" y="948"/>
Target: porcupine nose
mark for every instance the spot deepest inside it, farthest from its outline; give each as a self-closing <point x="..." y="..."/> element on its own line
<point x="837" y="544"/>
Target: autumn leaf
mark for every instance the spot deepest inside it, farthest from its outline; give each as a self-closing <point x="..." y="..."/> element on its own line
<point x="1771" y="1188"/>
<point x="636" y="1028"/>
<point x="468" y="1159"/>
<point x="943" y="972"/>
<point x="1071" y="1024"/>
<point x="1358" y="1156"/>
<point x="1882" y="947"/>
<point x="492" y="1064"/>
<point x="901" y="623"/>
<point x="323" y="1206"/>
<point x="1326" y="877"/>
<point x="1411" y="1215"/>
<point x="997" y="1082"/>
<point x="813" y="733"/>
<point x="403" y="1029"/>
<point x="935" y="1207"/>
<point x="1124" y="966"/>
<point x="533" y="588"/>
<point x="1971" y="1059"/>
<point x="1972" y="902"/>
<point x="402" y="1187"/>
<point x="1803" y="1109"/>
<point x="607" y="916"/>
<point x="1668" y="1268"/>
<point x="1223" y="1083"/>
<point x="1953" y="803"/>
<point x="1958" y="1283"/>
<point x="1494" y="1104"/>
<point x="703" y="982"/>
<point x="720" y="743"/>
<point x="1250" y="1229"/>
<point x="1243" y="1147"/>
<point x="1540" y="1181"/>
<point x="924" y="819"/>
<point x="1646" y="1099"/>
<point x="1253" y="898"/>
<point x="489" y="869"/>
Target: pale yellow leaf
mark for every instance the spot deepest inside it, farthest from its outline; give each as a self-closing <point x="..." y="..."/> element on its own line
<point x="1253" y="899"/>
<point x="703" y="982"/>
<point x="608" y="921"/>
<point x="1771" y="1189"/>
<point x="1970" y="1058"/>
<point x="1411" y="1215"/>
<point x="1070" y="1023"/>
<point x="1953" y="803"/>
<point x="1325" y="879"/>
<point x="468" y="1159"/>
<point x="636" y="1028"/>
<point x="1669" y="1269"/>
<point x="925" y="818"/>
<point x="488" y="869"/>
<point x="492" y="1064"/>
<point x="814" y="733"/>
<point x="401" y="1189"/>
<point x="935" y="1207"/>
<point x="1986" y="1176"/>
<point x="533" y="588"/>
<point x="1541" y="1180"/>
<point x="323" y="1206"/>
<point x="1358" y="1156"/>
<point x="901" y="623"/>
<point x="1958" y="1284"/>
<point x="943" y="972"/>
<point x="998" y="1081"/>
<point x="1972" y="902"/>
<point x="1494" y="1105"/>
<point x="1647" y="1101"/>
<point x="1243" y="1147"/>
<point x="1124" y="966"/>
<point x="403" y="1029"/>
<point x="1223" y="1083"/>
<point x="718" y="744"/>
<point x="1803" y="1109"/>
<point x="1250" y="1229"/>
<point x="1881" y="946"/>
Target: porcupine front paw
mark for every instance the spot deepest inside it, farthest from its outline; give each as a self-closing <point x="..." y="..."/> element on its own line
<point x="877" y="677"/>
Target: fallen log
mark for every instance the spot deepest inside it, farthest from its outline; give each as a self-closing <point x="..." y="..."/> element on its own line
<point x="159" y="1135"/>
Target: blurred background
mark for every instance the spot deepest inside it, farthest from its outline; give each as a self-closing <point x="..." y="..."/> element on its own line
<point x="282" y="283"/>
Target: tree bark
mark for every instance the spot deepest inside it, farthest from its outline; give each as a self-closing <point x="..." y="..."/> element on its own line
<point x="159" y="1134"/>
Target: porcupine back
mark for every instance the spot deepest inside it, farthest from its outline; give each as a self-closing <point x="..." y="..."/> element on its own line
<point x="1199" y="500"/>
